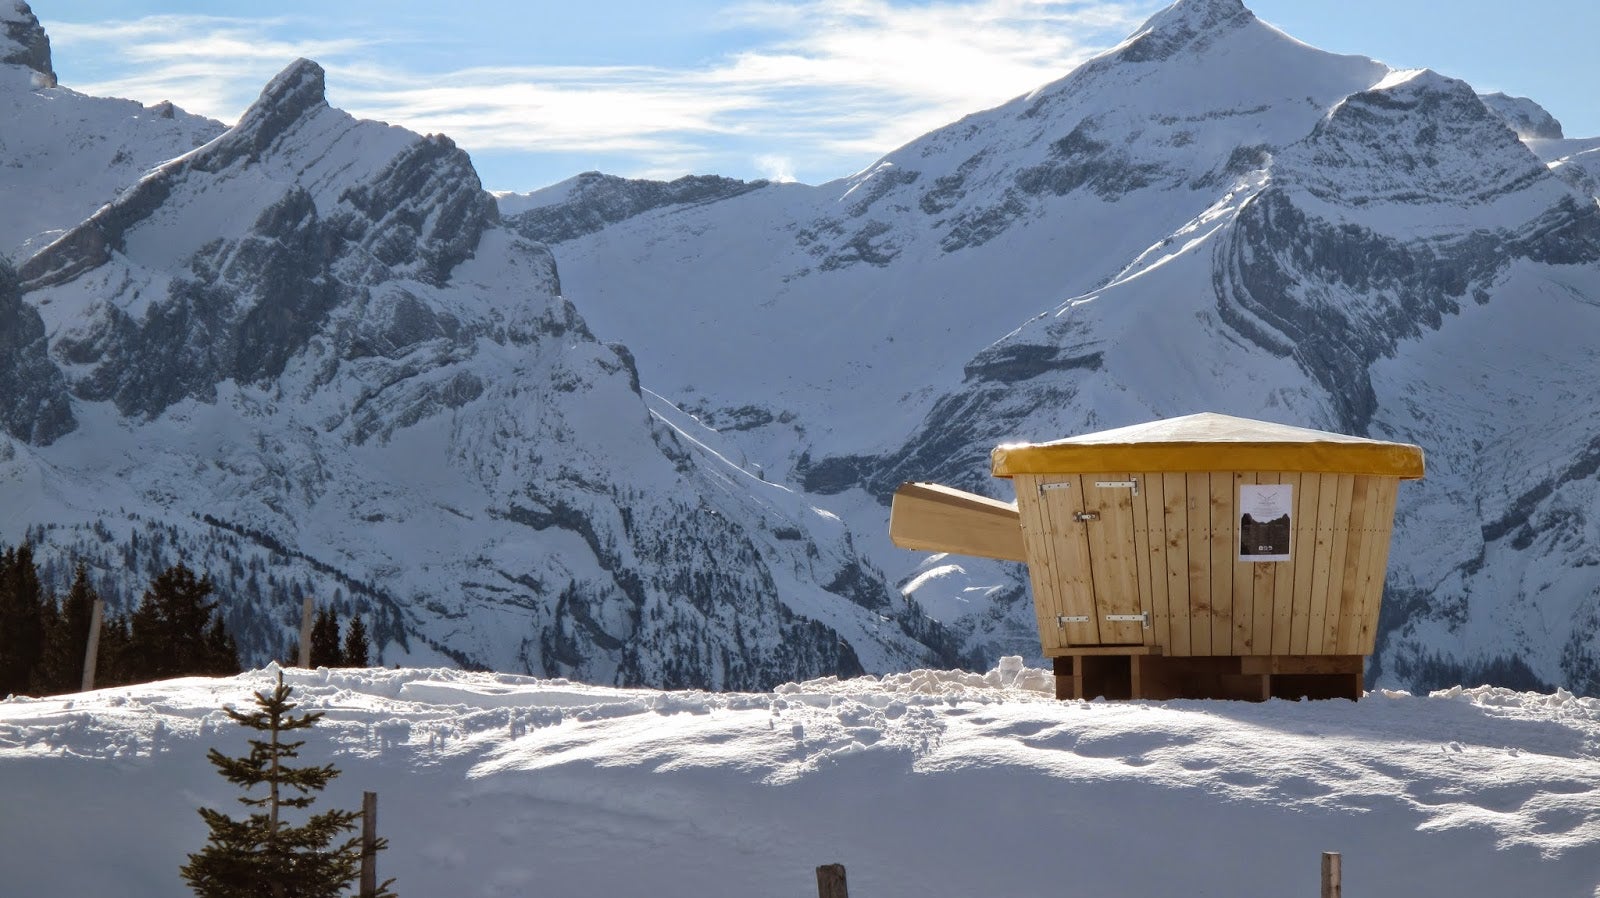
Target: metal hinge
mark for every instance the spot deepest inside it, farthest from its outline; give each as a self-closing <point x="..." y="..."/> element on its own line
<point x="1063" y="619"/>
<point x="1086" y="516"/>
<point x="1130" y="619"/>
<point x="1063" y="485"/>
<point x="1118" y="485"/>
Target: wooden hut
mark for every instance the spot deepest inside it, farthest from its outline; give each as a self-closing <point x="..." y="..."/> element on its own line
<point x="1198" y="557"/>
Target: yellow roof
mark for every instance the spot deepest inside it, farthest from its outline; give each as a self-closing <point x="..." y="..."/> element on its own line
<point x="1210" y="442"/>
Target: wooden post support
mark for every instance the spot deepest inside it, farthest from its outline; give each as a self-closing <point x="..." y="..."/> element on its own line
<point x="830" y="882"/>
<point x="1332" y="879"/>
<point x="92" y="654"/>
<point x="369" y="844"/>
<point x="305" y="634"/>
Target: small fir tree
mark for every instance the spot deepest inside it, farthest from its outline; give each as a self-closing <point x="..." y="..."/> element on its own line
<point x="263" y="856"/>
<point x="355" y="643"/>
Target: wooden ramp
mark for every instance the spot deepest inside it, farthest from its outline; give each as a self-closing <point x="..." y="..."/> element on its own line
<point x="933" y="518"/>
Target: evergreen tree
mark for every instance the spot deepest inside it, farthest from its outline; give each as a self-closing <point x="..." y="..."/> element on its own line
<point x="325" y="639"/>
<point x="21" y="620"/>
<point x="172" y="632"/>
<point x="67" y="638"/>
<point x="355" y="643"/>
<point x="40" y="680"/>
<point x="220" y="655"/>
<point x="263" y="856"/>
<point x="111" y="664"/>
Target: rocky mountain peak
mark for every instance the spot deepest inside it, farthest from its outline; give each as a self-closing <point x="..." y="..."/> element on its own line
<point x="1187" y="23"/>
<point x="303" y="79"/>
<point x="298" y="89"/>
<point x="1525" y="117"/>
<point x="1417" y="136"/>
<point x="22" y="39"/>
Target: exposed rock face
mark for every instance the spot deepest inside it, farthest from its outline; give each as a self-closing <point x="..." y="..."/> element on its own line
<point x="22" y="39"/>
<point x="593" y="200"/>
<point x="421" y="216"/>
<point x="239" y="313"/>
<point x="35" y="408"/>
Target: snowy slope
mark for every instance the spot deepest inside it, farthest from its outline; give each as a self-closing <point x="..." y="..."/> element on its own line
<point x="921" y="783"/>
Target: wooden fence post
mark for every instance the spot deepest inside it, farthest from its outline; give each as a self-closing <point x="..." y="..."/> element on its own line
<point x="369" y="844"/>
<point x="305" y="634"/>
<point x="1332" y="878"/>
<point x="830" y="882"/>
<point x="92" y="654"/>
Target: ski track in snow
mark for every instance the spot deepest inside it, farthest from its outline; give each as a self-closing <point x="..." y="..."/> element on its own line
<point x="921" y="783"/>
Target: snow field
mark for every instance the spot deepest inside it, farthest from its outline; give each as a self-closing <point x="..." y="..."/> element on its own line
<point x="923" y="783"/>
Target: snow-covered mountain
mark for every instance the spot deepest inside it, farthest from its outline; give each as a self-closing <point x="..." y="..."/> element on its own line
<point x="306" y="357"/>
<point x="1210" y="216"/>
<point x="314" y="356"/>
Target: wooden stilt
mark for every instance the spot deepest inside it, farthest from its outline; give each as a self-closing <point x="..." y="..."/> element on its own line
<point x="1133" y="672"/>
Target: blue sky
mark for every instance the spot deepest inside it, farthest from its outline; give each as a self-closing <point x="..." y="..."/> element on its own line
<point x="811" y="90"/>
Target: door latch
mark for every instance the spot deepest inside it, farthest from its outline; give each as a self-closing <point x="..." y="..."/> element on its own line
<point x="1086" y="516"/>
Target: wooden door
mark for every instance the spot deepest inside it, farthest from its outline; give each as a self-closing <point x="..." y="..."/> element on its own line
<point x="1113" y="558"/>
<point x="1084" y="533"/>
<point x="1058" y="560"/>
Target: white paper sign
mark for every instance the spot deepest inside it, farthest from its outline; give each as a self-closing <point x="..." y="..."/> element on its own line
<point x="1266" y="527"/>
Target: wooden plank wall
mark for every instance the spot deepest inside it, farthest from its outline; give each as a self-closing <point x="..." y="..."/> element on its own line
<point x="1185" y="571"/>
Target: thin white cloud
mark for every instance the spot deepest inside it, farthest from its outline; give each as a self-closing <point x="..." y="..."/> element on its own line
<point x="209" y="65"/>
<point x="776" y="167"/>
<point x="828" y="82"/>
